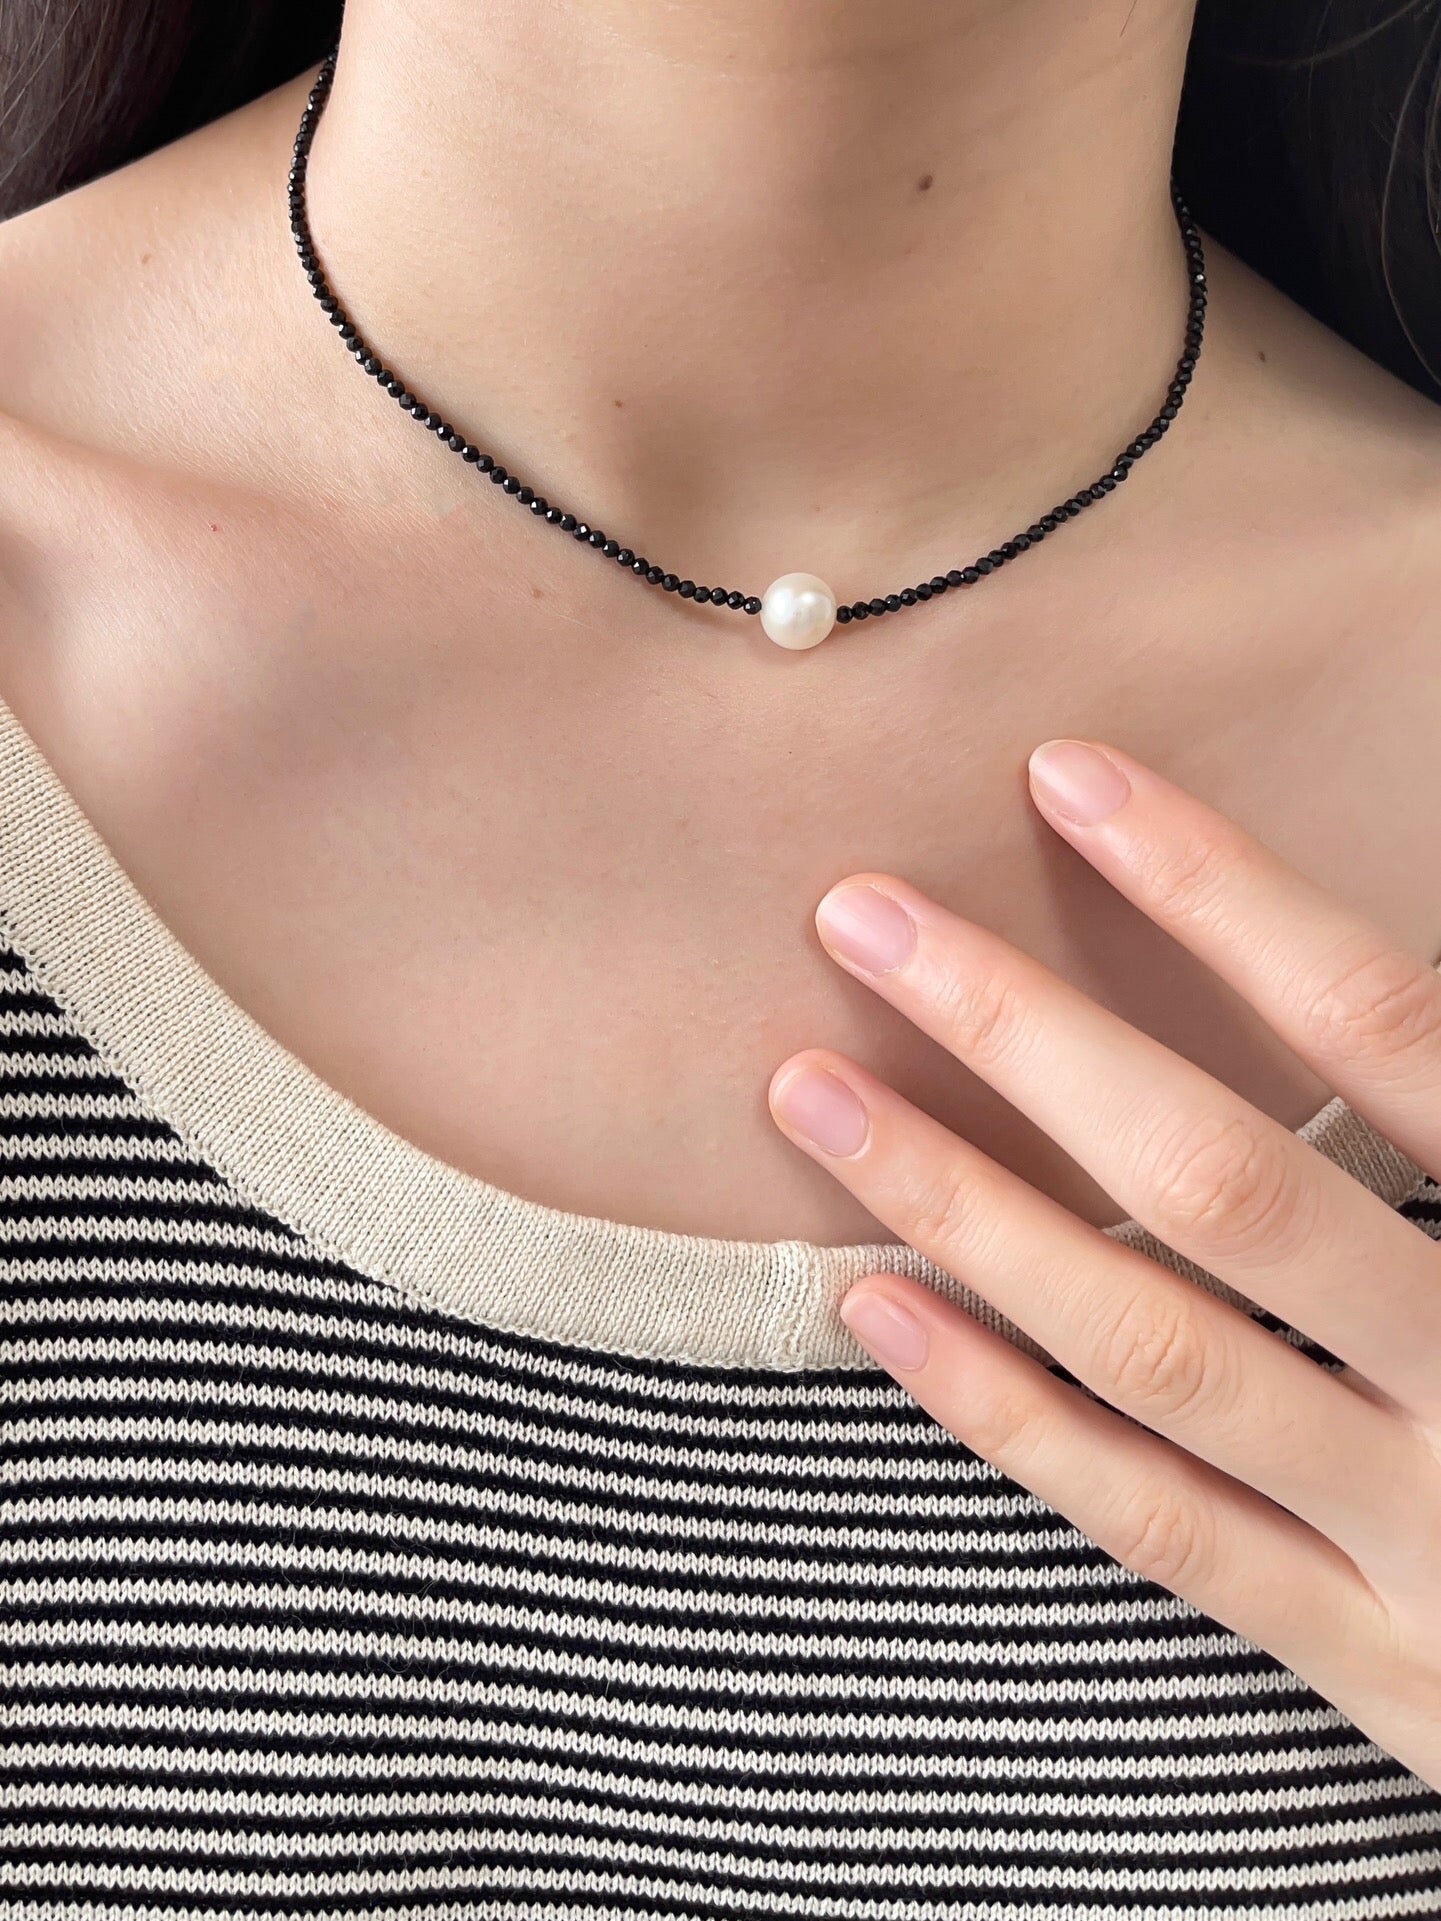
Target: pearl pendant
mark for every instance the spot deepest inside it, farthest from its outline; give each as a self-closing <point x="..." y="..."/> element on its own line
<point x="798" y="610"/>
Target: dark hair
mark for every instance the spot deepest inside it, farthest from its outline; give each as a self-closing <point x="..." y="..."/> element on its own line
<point x="1309" y="141"/>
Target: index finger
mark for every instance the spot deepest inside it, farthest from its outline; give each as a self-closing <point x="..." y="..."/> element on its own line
<point x="1345" y="996"/>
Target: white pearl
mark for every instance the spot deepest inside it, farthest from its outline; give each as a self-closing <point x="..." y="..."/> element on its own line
<point x="798" y="610"/>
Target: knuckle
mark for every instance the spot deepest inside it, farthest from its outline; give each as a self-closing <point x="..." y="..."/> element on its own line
<point x="1378" y="1006"/>
<point x="1184" y="880"/>
<point x="1000" y="1429"/>
<point x="1219" y="1180"/>
<point x="1164" y="1535"/>
<point x="1155" y="1360"/>
<point x="982" y="1020"/>
<point x="942" y="1214"/>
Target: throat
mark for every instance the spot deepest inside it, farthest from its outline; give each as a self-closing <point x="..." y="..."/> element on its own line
<point x="828" y="281"/>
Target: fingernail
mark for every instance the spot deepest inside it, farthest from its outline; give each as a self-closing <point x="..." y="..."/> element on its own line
<point x="823" y="1110"/>
<point x="889" y="1331"/>
<point x="1082" y="785"/>
<point x="867" y="928"/>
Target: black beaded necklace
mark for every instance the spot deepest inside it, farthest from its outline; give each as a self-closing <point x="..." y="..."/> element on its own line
<point x="798" y="610"/>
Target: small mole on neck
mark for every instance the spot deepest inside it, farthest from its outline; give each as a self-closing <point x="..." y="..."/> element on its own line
<point x="925" y="183"/>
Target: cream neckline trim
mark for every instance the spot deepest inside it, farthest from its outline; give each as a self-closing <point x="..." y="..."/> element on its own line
<point x="302" y="1152"/>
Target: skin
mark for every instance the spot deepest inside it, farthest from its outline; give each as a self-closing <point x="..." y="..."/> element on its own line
<point x="1298" y="1504"/>
<point x="521" y="858"/>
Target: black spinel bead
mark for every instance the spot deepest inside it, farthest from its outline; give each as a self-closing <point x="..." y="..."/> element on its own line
<point x="497" y="475"/>
<point x="970" y="575"/>
<point x="654" y="576"/>
<point x="753" y="605"/>
<point x="537" y="507"/>
<point x="625" y="555"/>
<point x="702" y="594"/>
<point x="955" y="577"/>
<point x="686" y="590"/>
<point x="485" y="464"/>
<point x="996" y="557"/>
<point x="860" y="610"/>
<point x="671" y="583"/>
<point x="939" y="583"/>
<point x="455" y="442"/>
<point x="924" y="591"/>
<point x="525" y="496"/>
<point x="908" y="596"/>
<point x="470" y="453"/>
<point x="511" y="484"/>
<point x="843" y="616"/>
<point x="1019" y="544"/>
<point x="1169" y="411"/>
<point x="878" y="607"/>
<point x="1036" y="533"/>
<point x="735" y="600"/>
<point x="582" y="530"/>
<point x="893" y="601"/>
<point x="347" y="332"/>
<point x="567" y="523"/>
<point x="596" y="539"/>
<point x="982" y="566"/>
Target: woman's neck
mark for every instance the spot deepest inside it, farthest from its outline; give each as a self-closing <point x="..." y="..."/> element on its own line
<point x="757" y="281"/>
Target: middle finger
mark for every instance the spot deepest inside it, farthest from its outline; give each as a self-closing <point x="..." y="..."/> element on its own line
<point x="1209" y="1174"/>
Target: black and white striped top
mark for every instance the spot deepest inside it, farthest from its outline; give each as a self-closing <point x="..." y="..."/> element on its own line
<point x="378" y="1544"/>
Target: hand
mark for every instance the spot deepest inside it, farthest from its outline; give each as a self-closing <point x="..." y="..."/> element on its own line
<point x="1299" y="1504"/>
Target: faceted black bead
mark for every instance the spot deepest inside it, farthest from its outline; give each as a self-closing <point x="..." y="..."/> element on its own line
<point x="510" y="484"/>
<point x="939" y="583"/>
<point x="736" y="600"/>
<point x="982" y="566"/>
<point x="970" y="575"/>
<point x="891" y="603"/>
<point x="752" y="604"/>
<point x="497" y="475"/>
<point x="1036" y="533"/>
<point x="1048" y="523"/>
<point x="996" y="557"/>
<point x="1169" y="411"/>
<point x="924" y="591"/>
<point x="860" y="610"/>
<point x="1020" y="544"/>
<point x="671" y="583"/>
<point x="843" y="616"/>
<point x="537" y="506"/>
<point x="654" y="576"/>
<point x="703" y="594"/>
<point x="567" y="523"/>
<point x="472" y="454"/>
<point x="417" y="409"/>
<point x="624" y="555"/>
<point x="582" y="530"/>
<point x="596" y="539"/>
<point x="908" y="596"/>
<point x="686" y="590"/>
<point x="611" y="549"/>
<point x="877" y="607"/>
<point x="955" y="577"/>
<point x="486" y="463"/>
<point x="525" y="496"/>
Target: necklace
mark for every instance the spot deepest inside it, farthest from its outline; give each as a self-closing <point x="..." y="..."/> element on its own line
<point x="798" y="610"/>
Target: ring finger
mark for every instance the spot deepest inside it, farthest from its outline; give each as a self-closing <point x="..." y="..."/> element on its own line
<point x="1171" y="1355"/>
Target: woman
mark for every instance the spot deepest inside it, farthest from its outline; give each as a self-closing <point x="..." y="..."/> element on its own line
<point x="448" y="1467"/>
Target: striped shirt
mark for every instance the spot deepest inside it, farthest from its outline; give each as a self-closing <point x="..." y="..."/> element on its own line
<point x="376" y="1543"/>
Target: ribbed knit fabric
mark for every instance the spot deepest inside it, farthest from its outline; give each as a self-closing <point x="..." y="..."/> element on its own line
<point x="326" y="1596"/>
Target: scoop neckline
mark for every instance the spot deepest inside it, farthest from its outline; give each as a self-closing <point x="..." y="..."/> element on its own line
<point x="302" y="1152"/>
